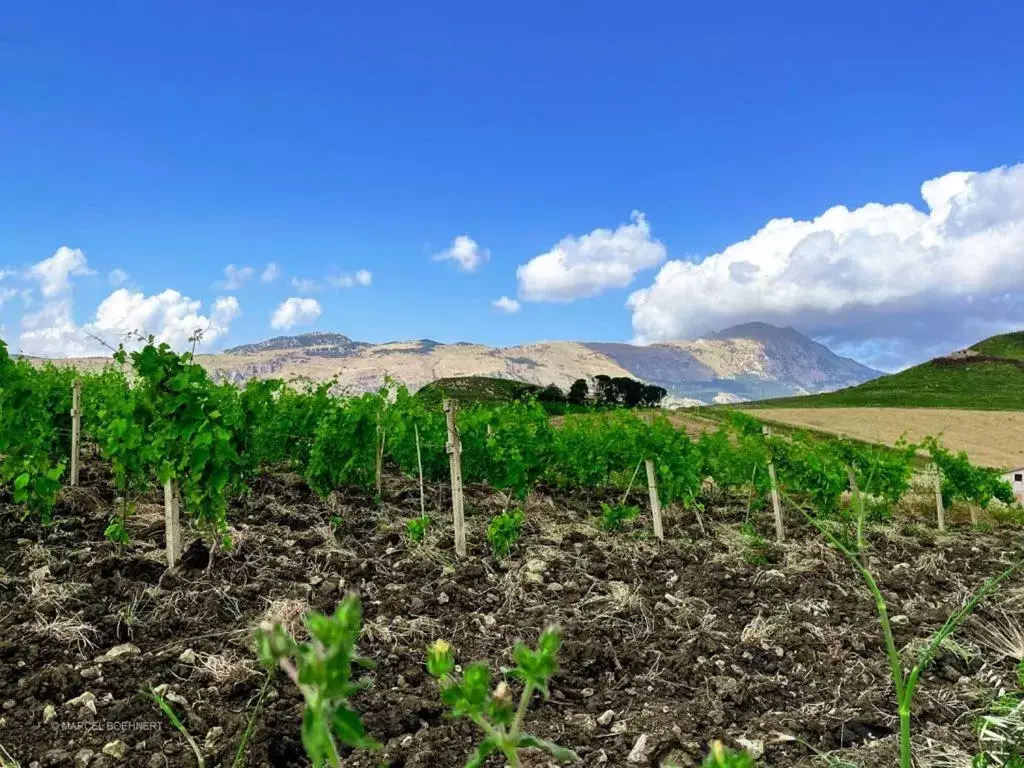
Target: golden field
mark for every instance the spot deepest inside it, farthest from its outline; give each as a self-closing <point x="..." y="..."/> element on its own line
<point x="991" y="438"/>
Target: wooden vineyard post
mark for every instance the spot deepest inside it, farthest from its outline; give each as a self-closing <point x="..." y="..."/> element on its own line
<point x="454" y="449"/>
<point x="172" y="522"/>
<point x="940" y="508"/>
<point x="780" y="532"/>
<point x="652" y="489"/>
<point x="381" y="435"/>
<point x="419" y="463"/>
<point x="76" y="429"/>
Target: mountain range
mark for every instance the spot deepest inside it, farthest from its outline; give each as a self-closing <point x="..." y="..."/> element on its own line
<point x="745" y="362"/>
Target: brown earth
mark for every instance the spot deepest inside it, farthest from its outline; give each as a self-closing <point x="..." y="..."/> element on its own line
<point x="705" y="636"/>
<point x="991" y="438"/>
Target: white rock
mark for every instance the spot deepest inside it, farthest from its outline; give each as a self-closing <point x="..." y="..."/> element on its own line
<point x="119" y="651"/>
<point x="87" y="700"/>
<point x="188" y="656"/>
<point x="115" y="749"/>
<point x="83" y="757"/>
<point x="638" y="753"/>
<point x="606" y="717"/>
<point x="754" y="746"/>
<point x="49" y="712"/>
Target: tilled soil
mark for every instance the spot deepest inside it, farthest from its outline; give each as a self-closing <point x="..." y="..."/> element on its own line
<point x="702" y="637"/>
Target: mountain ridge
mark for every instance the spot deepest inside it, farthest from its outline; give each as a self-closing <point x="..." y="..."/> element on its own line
<point x="743" y="362"/>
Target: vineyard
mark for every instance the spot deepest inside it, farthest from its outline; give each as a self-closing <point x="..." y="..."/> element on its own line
<point x="638" y="593"/>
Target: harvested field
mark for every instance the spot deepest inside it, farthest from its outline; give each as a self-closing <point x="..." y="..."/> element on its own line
<point x="709" y="635"/>
<point x="991" y="438"/>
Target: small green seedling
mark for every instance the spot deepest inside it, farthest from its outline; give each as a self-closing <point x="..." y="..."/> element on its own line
<point x="615" y="516"/>
<point x="721" y="756"/>
<point x="336" y="523"/>
<point x="504" y="531"/>
<point x="757" y="547"/>
<point x="172" y="717"/>
<point x="322" y="670"/>
<point x="494" y="711"/>
<point x="417" y="528"/>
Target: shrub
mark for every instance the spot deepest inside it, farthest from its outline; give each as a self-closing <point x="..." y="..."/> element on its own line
<point x="504" y="531"/>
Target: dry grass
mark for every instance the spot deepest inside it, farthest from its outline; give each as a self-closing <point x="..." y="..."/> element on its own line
<point x="991" y="438"/>
<point x="289" y="613"/>
<point x="222" y="668"/>
<point x="69" y="631"/>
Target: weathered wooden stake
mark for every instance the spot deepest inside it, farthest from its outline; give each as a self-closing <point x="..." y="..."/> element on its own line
<point x="780" y="532"/>
<point x="940" y="508"/>
<point x="172" y="522"/>
<point x="76" y="429"/>
<point x="652" y="489"/>
<point x="419" y="462"/>
<point x="454" y="449"/>
<point x="382" y="435"/>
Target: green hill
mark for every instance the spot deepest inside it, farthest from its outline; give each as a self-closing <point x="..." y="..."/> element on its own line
<point x="1006" y="345"/>
<point x="477" y="389"/>
<point x="989" y="377"/>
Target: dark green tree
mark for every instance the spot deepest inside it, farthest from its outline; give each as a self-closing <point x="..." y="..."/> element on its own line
<point x="578" y="392"/>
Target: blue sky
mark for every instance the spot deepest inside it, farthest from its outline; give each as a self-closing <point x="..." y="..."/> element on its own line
<point x="170" y="140"/>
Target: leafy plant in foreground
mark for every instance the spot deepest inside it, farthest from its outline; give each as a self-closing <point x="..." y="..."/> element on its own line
<point x="615" y="516"/>
<point x="494" y="711"/>
<point x="322" y="670"/>
<point x="417" y="527"/>
<point x="721" y="756"/>
<point x="504" y="531"/>
<point x="906" y="683"/>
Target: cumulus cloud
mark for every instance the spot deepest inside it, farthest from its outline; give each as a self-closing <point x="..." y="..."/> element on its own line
<point x="235" y="277"/>
<point x="295" y="311"/>
<point x="362" y="277"/>
<point x="894" y="281"/>
<point x="55" y="272"/>
<point x="117" y="277"/>
<point x="466" y="253"/>
<point x="269" y="273"/>
<point x="580" y="267"/>
<point x="168" y="316"/>
<point x="506" y="305"/>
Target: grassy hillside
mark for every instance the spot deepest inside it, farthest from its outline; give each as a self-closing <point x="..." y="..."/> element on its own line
<point x="1006" y="345"/>
<point x="985" y="384"/>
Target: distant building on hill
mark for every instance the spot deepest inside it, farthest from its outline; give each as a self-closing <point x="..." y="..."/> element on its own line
<point x="1015" y="477"/>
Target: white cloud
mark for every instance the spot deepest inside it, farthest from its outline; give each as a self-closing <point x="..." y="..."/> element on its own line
<point x="270" y="273"/>
<point x="466" y="253"/>
<point x="579" y="267"/>
<point x="890" y="274"/>
<point x="54" y="273"/>
<point x="507" y="305"/>
<point x="225" y="309"/>
<point x="5" y="273"/>
<point x="295" y="311"/>
<point x="169" y="316"/>
<point x="117" y="277"/>
<point x="305" y="285"/>
<point x="234" y="278"/>
<point x="362" y="277"/>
